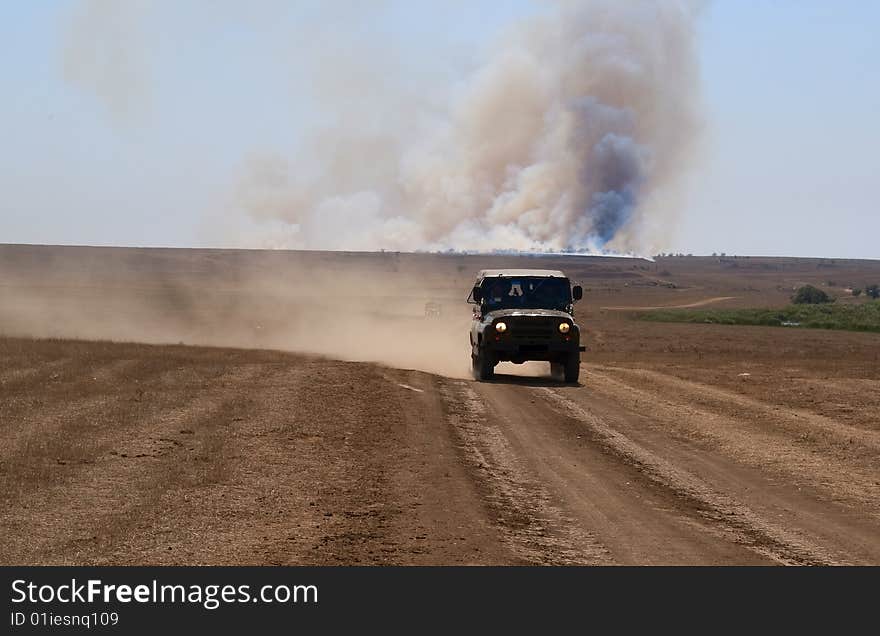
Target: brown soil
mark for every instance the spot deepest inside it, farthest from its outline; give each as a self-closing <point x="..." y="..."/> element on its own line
<point x="684" y="443"/>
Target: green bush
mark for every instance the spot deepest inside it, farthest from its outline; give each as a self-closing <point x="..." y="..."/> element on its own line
<point x="809" y="295"/>
<point x="861" y="317"/>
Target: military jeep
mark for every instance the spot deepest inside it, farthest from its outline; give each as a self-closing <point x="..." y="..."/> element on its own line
<point x="525" y="314"/>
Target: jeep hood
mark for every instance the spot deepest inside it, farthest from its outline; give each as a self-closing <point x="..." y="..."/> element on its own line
<point x="543" y="313"/>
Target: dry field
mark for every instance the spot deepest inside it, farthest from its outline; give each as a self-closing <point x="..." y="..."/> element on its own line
<point x="235" y="407"/>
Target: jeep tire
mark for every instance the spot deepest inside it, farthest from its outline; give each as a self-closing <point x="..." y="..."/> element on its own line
<point x="484" y="366"/>
<point x="572" y="367"/>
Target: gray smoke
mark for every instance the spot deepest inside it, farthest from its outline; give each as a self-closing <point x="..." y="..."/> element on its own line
<point x="570" y="136"/>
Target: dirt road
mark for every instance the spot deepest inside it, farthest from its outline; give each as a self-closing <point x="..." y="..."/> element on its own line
<point x="697" y="303"/>
<point x="115" y="453"/>
<point x="684" y="443"/>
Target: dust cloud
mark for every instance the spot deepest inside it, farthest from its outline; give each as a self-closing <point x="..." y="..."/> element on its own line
<point x="352" y="307"/>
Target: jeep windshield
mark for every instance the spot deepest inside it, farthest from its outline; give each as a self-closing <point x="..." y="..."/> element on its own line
<point x="526" y="292"/>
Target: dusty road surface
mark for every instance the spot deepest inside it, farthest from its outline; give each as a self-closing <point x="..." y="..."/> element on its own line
<point x="683" y="444"/>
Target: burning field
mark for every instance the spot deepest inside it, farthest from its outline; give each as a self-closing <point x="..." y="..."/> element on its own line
<point x="248" y="407"/>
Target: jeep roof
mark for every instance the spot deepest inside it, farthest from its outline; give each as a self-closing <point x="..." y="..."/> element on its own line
<point x="489" y="273"/>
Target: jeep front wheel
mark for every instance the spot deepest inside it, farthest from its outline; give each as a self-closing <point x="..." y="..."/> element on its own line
<point x="484" y="366"/>
<point x="572" y="367"/>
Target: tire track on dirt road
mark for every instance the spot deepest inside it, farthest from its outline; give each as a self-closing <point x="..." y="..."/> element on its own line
<point x="537" y="530"/>
<point x="555" y="475"/>
<point x="747" y="465"/>
<point x="806" y="449"/>
<point x="795" y="422"/>
<point x="723" y="514"/>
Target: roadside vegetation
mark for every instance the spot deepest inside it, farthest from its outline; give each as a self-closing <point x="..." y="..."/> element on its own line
<point x="861" y="317"/>
<point x="809" y="295"/>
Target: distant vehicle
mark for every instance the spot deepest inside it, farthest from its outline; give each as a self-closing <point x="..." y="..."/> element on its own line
<point x="525" y="314"/>
<point x="432" y="309"/>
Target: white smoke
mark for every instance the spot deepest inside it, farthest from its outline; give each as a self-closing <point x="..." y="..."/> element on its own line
<point x="104" y="55"/>
<point x="568" y="137"/>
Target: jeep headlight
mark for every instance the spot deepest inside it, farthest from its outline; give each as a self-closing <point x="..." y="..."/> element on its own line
<point x="564" y="327"/>
<point x="500" y="327"/>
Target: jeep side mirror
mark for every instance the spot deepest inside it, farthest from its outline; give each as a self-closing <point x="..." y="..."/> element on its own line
<point x="577" y="292"/>
<point x="477" y="295"/>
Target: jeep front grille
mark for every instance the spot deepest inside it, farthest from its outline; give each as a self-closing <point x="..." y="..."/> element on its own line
<point x="533" y="328"/>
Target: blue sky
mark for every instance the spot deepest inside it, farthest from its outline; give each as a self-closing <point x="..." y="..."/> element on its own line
<point x="792" y="94"/>
<point x="787" y="165"/>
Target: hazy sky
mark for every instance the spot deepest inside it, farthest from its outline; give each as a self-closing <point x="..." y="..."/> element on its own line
<point x="141" y="139"/>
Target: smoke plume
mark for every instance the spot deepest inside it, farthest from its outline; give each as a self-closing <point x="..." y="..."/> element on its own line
<point x="569" y="137"/>
<point x="104" y="55"/>
<point x="568" y="133"/>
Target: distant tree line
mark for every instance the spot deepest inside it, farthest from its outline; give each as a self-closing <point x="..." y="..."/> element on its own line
<point x="810" y="295"/>
<point x="871" y="291"/>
